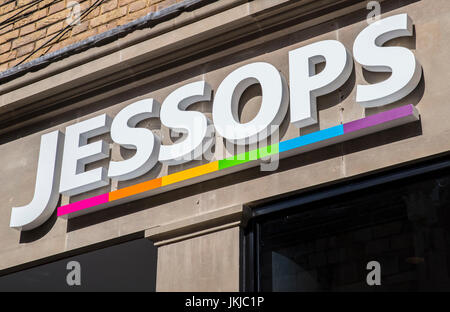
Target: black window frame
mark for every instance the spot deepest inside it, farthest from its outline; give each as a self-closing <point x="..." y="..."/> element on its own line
<point x="250" y="266"/>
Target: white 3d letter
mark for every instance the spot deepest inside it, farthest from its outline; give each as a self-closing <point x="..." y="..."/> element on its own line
<point x="306" y="86"/>
<point x="46" y="193"/>
<point x="142" y="140"/>
<point x="78" y="153"/>
<point x="273" y="109"/>
<point x="368" y="51"/>
<point x="193" y="124"/>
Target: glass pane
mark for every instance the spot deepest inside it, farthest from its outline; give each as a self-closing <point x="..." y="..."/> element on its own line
<point x="326" y="246"/>
<point x="129" y="266"/>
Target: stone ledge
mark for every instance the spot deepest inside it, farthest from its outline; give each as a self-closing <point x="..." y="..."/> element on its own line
<point x="198" y="225"/>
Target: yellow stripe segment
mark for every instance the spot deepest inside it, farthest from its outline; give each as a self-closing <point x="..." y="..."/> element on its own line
<point x="190" y="173"/>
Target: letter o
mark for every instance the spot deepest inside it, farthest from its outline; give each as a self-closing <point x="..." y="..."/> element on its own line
<point x="273" y="107"/>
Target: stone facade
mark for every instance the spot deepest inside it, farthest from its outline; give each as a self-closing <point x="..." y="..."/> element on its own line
<point x="201" y="222"/>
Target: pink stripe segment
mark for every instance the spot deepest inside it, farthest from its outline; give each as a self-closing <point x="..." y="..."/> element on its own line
<point x="83" y="204"/>
<point x="379" y="118"/>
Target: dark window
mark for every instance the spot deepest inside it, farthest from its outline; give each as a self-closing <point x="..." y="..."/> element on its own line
<point x="129" y="266"/>
<point x="326" y="244"/>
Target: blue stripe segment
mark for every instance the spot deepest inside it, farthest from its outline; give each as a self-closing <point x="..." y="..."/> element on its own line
<point x="311" y="138"/>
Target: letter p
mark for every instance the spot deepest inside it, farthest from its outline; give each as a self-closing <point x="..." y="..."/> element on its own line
<point x="306" y="85"/>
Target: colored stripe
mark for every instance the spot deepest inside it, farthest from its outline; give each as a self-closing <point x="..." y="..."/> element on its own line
<point x="256" y="154"/>
<point x="190" y="173"/>
<point x="135" y="189"/>
<point x="311" y="138"/>
<point x="83" y="204"/>
<point x="248" y="156"/>
<point x="379" y="118"/>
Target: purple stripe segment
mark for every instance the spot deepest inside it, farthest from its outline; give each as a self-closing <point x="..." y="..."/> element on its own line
<point x="379" y="118"/>
<point x="83" y="204"/>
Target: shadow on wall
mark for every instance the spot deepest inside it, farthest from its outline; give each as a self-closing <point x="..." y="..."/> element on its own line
<point x="40" y="232"/>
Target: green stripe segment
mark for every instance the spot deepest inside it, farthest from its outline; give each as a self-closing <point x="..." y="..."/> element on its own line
<point x="249" y="156"/>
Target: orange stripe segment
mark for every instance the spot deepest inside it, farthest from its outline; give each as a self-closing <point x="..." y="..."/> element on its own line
<point x="190" y="173"/>
<point x="135" y="189"/>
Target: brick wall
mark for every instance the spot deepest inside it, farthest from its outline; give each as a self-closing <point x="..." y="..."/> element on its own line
<point x="26" y="25"/>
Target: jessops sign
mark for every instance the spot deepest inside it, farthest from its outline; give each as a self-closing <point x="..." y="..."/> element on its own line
<point x="62" y="158"/>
